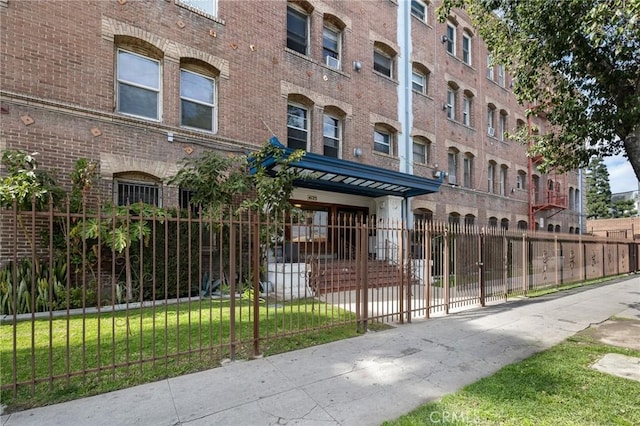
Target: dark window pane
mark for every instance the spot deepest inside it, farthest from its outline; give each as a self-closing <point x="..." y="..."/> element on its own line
<point x="296" y="31"/>
<point x="197" y="115"/>
<point x="137" y="101"/>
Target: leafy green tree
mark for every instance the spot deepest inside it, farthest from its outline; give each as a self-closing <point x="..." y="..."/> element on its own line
<point x="623" y="208"/>
<point x="598" y="190"/>
<point x="576" y="62"/>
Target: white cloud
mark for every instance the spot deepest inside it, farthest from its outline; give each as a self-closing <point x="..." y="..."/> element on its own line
<point x="621" y="175"/>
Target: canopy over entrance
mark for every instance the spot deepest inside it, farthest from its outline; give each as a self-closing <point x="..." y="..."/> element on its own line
<point x="348" y="177"/>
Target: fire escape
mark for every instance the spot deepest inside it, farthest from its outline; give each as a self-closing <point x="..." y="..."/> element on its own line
<point x="545" y="193"/>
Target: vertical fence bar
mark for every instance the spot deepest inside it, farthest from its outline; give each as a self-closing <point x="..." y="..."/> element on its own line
<point x="481" y="269"/>
<point x="428" y="275"/>
<point x="445" y="269"/>
<point x="232" y="288"/>
<point x="255" y="243"/>
<point x="34" y="272"/>
<point x="52" y="281"/>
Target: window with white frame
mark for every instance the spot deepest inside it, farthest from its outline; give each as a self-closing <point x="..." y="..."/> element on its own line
<point x="197" y="100"/>
<point x="503" y="180"/>
<point x="210" y="7"/>
<point x="489" y="68"/>
<point x="491" y="112"/>
<point x="501" y="75"/>
<point x="466" y="110"/>
<point x="466" y="48"/>
<point x="138" y="85"/>
<point x="502" y="125"/>
<point x="297" y="127"/>
<point x="420" y="150"/>
<point x="452" y="166"/>
<point x="383" y="63"/>
<point x="520" y="180"/>
<point x="451" y="103"/>
<point x="419" y="10"/>
<point x="467" y="166"/>
<point x="127" y="192"/>
<point x="418" y="82"/>
<point x="451" y="39"/>
<point x="297" y="30"/>
<point x="382" y="141"/>
<point x="331" y="136"/>
<point x="491" y="174"/>
<point x="331" y="38"/>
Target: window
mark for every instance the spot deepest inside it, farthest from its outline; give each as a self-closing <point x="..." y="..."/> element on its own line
<point x="419" y="82"/>
<point x="522" y="225"/>
<point x="469" y="220"/>
<point x="503" y="180"/>
<point x="207" y="6"/>
<point x="501" y="76"/>
<point x="297" y="127"/>
<point x="520" y="178"/>
<point x="382" y="63"/>
<point x="502" y="125"/>
<point x="491" y="112"/>
<point x="451" y="104"/>
<point x="128" y="192"/>
<point x="331" y="136"/>
<point x="466" y="48"/>
<point x="467" y="165"/>
<point x="419" y="152"/>
<point x="491" y="174"/>
<point x="382" y="141"/>
<point x="297" y="30"/>
<point x="504" y="224"/>
<point x="419" y="10"/>
<point x="452" y="166"/>
<point x="197" y="98"/>
<point x="186" y="202"/>
<point x="489" y="68"/>
<point x="138" y="85"/>
<point x="493" y="222"/>
<point x="331" y="47"/>
<point x="451" y="39"/>
<point x="466" y="110"/>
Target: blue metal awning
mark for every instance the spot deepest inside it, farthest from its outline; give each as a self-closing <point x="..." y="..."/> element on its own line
<point x="348" y="177"/>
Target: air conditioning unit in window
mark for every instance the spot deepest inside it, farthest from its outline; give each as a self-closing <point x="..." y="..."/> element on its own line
<point x="491" y="131"/>
<point x="333" y="62"/>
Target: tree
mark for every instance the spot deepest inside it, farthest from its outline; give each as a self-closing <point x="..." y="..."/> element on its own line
<point x="598" y="190"/>
<point x="623" y="208"/>
<point x="576" y="62"/>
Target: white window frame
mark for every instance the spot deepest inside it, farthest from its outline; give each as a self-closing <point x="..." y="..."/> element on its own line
<point x="451" y="39"/>
<point x="503" y="180"/>
<point x="298" y="13"/>
<point x="466" y="111"/>
<point x="383" y="138"/>
<point x="490" y="74"/>
<point x="467" y="165"/>
<point x="502" y="126"/>
<point x="520" y="180"/>
<point x="501" y="75"/>
<point x="291" y="124"/>
<point x="491" y="121"/>
<point x="420" y="8"/>
<point x="377" y="57"/>
<point x="418" y="82"/>
<point x="211" y="104"/>
<point x="491" y="175"/>
<point x="121" y="82"/>
<point x="422" y="154"/>
<point x="336" y="137"/>
<point x="451" y="104"/>
<point x="466" y="48"/>
<point x="210" y="6"/>
<point x="334" y="34"/>
<point x="452" y="167"/>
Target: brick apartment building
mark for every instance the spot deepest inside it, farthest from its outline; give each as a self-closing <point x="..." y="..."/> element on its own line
<point x="136" y="85"/>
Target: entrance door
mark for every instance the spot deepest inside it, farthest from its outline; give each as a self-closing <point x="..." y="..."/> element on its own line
<point x="346" y="222"/>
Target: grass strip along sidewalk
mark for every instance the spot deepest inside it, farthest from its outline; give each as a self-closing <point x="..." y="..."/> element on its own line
<point x="554" y="387"/>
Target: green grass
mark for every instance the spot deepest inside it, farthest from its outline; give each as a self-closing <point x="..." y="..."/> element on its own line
<point x="182" y="338"/>
<point x="569" y="286"/>
<point x="554" y="387"/>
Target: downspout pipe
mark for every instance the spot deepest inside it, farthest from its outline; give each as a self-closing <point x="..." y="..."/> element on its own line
<point x="405" y="112"/>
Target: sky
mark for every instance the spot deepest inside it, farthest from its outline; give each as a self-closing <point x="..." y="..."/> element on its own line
<point x="621" y="176"/>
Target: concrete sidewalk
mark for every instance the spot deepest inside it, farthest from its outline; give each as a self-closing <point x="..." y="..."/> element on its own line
<point x="359" y="381"/>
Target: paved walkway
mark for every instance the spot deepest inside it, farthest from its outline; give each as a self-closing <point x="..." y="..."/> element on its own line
<point x="359" y="381"/>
